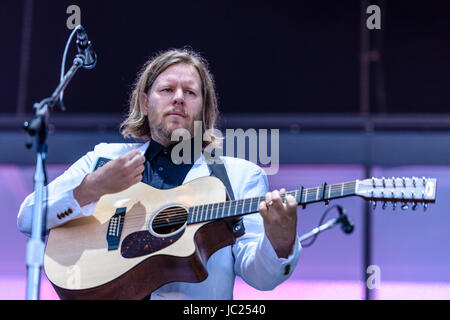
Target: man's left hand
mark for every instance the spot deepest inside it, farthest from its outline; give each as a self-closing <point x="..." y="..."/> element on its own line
<point x="280" y="221"/>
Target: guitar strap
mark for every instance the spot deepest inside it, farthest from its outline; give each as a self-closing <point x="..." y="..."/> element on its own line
<point x="219" y="171"/>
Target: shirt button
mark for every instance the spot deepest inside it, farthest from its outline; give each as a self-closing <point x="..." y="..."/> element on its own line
<point x="160" y="169"/>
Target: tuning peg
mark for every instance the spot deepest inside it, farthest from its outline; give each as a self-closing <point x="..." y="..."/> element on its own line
<point x="405" y="206"/>
<point x="394" y="205"/>
<point x="425" y="206"/>
<point x="414" y="207"/>
<point x="374" y="204"/>
<point x="384" y="205"/>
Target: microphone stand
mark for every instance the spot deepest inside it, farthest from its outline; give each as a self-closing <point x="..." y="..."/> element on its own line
<point x="39" y="128"/>
<point x="347" y="227"/>
<point x="327" y="225"/>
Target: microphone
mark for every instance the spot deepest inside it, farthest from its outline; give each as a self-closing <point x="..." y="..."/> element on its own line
<point x="85" y="49"/>
<point x="346" y="225"/>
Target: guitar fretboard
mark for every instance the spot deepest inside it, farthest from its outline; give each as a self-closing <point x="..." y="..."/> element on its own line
<point x="220" y="210"/>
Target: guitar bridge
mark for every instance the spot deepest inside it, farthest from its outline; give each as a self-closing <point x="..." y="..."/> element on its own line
<point x="115" y="229"/>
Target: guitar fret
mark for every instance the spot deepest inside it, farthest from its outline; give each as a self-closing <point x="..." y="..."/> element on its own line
<point x="214" y="211"/>
<point x="223" y="209"/>
<point x="193" y="216"/>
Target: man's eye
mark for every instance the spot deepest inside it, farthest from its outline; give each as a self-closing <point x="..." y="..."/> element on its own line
<point x="191" y="92"/>
<point x="167" y="90"/>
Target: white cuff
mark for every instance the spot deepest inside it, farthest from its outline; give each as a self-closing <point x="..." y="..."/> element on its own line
<point x="276" y="265"/>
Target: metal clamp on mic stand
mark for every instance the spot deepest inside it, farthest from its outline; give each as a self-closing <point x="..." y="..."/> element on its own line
<point x="38" y="127"/>
<point x="346" y="225"/>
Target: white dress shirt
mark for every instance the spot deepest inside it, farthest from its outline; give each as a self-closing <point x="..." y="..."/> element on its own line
<point x="251" y="257"/>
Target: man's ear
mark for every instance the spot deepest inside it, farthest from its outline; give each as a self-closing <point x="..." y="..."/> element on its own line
<point x="143" y="103"/>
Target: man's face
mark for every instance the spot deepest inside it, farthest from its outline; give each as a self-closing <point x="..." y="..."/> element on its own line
<point x="174" y="101"/>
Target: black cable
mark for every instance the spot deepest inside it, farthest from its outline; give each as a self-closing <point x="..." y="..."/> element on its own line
<point x="320" y="223"/>
<point x="63" y="65"/>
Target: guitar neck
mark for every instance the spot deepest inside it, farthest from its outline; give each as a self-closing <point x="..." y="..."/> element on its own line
<point x="304" y="196"/>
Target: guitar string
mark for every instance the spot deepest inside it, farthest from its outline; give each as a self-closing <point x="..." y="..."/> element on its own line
<point x="214" y="207"/>
<point x="182" y="216"/>
<point x="236" y="204"/>
<point x="176" y="216"/>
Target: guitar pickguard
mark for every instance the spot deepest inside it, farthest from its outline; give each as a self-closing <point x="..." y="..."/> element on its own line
<point x="141" y="243"/>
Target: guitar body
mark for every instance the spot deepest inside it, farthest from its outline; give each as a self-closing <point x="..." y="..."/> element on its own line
<point x="82" y="263"/>
<point x="142" y="238"/>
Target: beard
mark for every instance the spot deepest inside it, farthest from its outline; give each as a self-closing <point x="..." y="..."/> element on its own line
<point x="162" y="128"/>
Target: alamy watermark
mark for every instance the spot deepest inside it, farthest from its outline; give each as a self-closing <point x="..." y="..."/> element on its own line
<point x="74" y="19"/>
<point x="374" y="20"/>
<point x="260" y="142"/>
<point x="374" y="279"/>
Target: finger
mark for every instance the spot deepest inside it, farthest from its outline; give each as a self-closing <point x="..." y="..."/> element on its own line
<point x="276" y="200"/>
<point x="268" y="199"/>
<point x="263" y="210"/>
<point x="136" y="161"/>
<point x="291" y="204"/>
<point x="137" y="179"/>
<point x="139" y="170"/>
<point x="131" y="154"/>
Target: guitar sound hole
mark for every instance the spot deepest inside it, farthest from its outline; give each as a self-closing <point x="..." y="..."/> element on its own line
<point x="169" y="220"/>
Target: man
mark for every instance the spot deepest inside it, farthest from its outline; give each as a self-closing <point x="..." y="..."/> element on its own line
<point x="172" y="91"/>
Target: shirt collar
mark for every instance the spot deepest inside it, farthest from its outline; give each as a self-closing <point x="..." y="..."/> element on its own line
<point x="153" y="150"/>
<point x="156" y="148"/>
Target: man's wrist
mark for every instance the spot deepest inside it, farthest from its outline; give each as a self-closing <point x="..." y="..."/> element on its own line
<point x="87" y="192"/>
<point x="282" y="250"/>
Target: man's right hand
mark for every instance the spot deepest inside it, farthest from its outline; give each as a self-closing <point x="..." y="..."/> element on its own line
<point x="115" y="176"/>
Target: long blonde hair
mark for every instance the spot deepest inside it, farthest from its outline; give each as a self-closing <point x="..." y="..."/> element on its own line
<point x="136" y="124"/>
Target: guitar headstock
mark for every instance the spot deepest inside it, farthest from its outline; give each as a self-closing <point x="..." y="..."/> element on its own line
<point x="403" y="190"/>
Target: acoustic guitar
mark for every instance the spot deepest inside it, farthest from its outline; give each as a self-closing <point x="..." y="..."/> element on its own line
<point x="142" y="238"/>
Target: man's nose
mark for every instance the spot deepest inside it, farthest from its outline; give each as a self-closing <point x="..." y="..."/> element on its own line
<point x="178" y="97"/>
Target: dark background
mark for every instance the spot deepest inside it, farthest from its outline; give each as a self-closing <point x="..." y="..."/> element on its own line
<point x="267" y="56"/>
